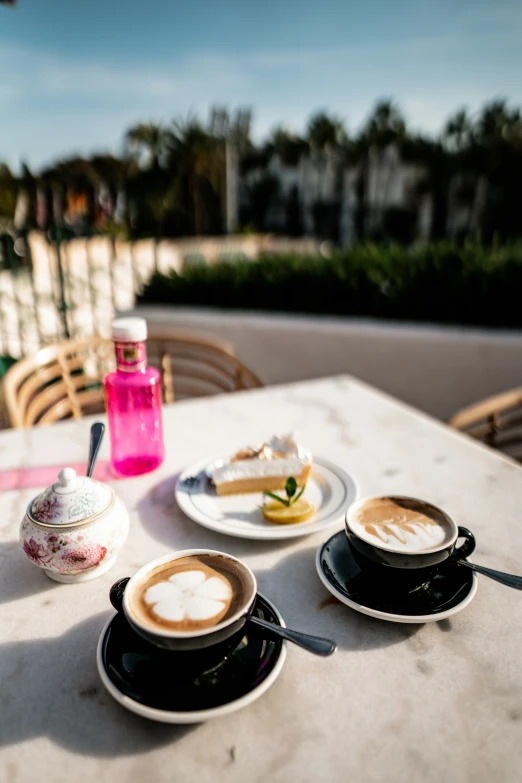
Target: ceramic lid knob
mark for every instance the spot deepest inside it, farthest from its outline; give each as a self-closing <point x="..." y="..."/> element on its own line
<point x="66" y="475"/>
<point x="67" y="480"/>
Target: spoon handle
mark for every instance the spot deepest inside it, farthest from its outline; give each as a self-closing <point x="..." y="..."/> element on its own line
<point x="97" y="431"/>
<point x="314" y="644"/>
<point x="506" y="579"/>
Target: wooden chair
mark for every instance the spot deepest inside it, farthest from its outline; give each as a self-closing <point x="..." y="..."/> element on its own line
<point x="65" y="380"/>
<point x="192" y="365"/>
<point x="495" y="421"/>
<point x="60" y="381"/>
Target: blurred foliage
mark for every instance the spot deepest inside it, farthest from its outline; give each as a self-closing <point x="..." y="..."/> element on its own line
<point x="115" y="230"/>
<point x="440" y="283"/>
<point x="6" y="362"/>
<point x="385" y="126"/>
<point x="262" y="196"/>
<point x="288" y="146"/>
<point x="7" y="192"/>
<point x="171" y="179"/>
<point x="325" y="132"/>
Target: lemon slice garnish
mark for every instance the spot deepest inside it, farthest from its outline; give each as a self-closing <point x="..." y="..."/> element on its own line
<point x="299" y="511"/>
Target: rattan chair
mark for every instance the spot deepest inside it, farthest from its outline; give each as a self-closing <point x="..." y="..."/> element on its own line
<point x="64" y="381"/>
<point x="195" y="366"/>
<point x="495" y="421"/>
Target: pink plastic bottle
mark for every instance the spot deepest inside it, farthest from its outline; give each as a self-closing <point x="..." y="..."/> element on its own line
<point x="133" y="400"/>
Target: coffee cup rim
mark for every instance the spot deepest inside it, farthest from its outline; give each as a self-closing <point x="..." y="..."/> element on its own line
<point x="172" y="556"/>
<point x="385" y="547"/>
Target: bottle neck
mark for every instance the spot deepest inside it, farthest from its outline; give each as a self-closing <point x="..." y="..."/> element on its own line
<point x="130" y="357"/>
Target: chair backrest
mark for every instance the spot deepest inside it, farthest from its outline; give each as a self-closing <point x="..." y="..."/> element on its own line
<point x="496" y="421"/>
<point x="60" y="381"/>
<point x="194" y="365"/>
<point x="65" y="380"/>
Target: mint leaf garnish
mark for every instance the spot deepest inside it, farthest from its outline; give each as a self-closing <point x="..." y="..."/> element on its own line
<point x="284" y="501"/>
<point x="290" y="489"/>
<point x="299" y="494"/>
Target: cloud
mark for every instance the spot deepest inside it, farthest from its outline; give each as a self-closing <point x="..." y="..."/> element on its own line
<point x="52" y="106"/>
<point x="29" y="73"/>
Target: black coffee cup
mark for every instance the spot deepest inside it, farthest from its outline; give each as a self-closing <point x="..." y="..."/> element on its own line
<point x="394" y="567"/>
<point x="124" y="590"/>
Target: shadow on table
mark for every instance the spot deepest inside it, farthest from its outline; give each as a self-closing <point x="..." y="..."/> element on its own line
<point x="306" y="605"/>
<point x="51" y="687"/>
<point x="162" y="518"/>
<point x="19" y="578"/>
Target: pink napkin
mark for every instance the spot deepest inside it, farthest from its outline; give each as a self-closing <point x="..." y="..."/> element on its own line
<point x="44" y="475"/>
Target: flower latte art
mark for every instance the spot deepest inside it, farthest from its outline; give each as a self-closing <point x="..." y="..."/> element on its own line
<point x="189" y="594"/>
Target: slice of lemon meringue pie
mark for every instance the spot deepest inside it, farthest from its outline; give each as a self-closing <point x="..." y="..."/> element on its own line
<point x="264" y="468"/>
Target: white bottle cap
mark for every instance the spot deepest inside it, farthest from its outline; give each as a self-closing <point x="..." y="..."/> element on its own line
<point x="129" y="330"/>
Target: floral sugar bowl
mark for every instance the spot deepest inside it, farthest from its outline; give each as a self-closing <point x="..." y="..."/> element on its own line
<point x="75" y="528"/>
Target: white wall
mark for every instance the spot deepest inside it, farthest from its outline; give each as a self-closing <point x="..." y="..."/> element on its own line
<point x="436" y="369"/>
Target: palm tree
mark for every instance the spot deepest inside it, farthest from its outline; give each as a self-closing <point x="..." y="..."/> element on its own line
<point x="288" y="146"/>
<point x="385" y="127"/>
<point x="8" y="188"/>
<point x="457" y="134"/>
<point x="75" y="172"/>
<point x="111" y="170"/>
<point x="498" y="153"/>
<point x="498" y="124"/>
<point x="439" y="168"/>
<point x="198" y="161"/>
<point x="328" y="140"/>
<point x="464" y="179"/>
<point x="150" y="142"/>
<point x="325" y="133"/>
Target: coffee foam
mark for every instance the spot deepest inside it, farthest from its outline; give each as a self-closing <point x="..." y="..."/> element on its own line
<point x="189" y="594"/>
<point x="401" y="524"/>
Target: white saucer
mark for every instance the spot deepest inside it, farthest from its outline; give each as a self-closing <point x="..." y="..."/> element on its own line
<point x="329" y="488"/>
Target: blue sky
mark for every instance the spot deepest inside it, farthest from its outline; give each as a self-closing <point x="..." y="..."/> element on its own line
<point x="75" y="73"/>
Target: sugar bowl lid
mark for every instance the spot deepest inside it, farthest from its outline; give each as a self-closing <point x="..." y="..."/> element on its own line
<point x="72" y="500"/>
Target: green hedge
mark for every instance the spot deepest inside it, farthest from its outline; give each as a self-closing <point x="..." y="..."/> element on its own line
<point x="441" y="283"/>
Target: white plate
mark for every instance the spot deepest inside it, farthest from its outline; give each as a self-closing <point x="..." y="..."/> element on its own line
<point x="329" y="488"/>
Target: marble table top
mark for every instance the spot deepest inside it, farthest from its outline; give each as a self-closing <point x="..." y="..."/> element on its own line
<point x="436" y="702"/>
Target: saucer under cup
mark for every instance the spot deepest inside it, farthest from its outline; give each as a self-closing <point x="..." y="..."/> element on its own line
<point x="136" y="673"/>
<point x="448" y="593"/>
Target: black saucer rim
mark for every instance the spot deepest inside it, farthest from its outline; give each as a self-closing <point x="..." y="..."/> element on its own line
<point x="330" y="581"/>
<point x="194" y="716"/>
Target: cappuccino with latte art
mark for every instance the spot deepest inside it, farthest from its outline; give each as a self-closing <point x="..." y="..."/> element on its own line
<point x="401" y="525"/>
<point x="189" y="594"/>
